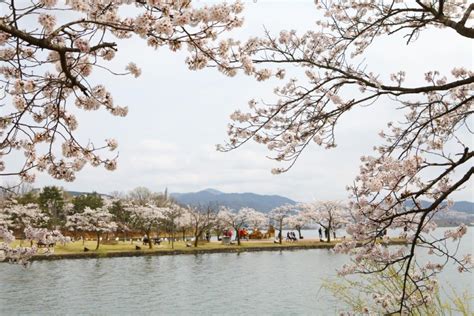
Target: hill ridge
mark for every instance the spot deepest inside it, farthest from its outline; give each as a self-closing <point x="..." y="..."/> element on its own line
<point x="260" y="202"/>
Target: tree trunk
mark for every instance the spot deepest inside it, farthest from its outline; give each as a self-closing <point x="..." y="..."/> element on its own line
<point x="150" y="244"/>
<point x="172" y="240"/>
<point x="280" y="234"/>
<point x="98" y="241"/>
<point x="238" y="236"/>
<point x="196" y="237"/>
<point x="329" y="234"/>
<point x="299" y="232"/>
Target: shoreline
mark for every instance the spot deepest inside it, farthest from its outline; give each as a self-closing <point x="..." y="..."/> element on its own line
<point x="188" y="251"/>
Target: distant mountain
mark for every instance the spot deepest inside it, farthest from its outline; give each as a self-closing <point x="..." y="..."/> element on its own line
<point x="262" y="203"/>
<point x="464" y="206"/>
<point x="77" y="193"/>
<point x="213" y="191"/>
<point x="460" y="206"/>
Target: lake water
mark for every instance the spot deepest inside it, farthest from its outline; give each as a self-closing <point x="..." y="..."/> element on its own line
<point x="277" y="283"/>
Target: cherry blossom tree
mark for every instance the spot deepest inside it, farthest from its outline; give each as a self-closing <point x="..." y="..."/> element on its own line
<point x="50" y="51"/>
<point x="219" y="226"/>
<point x="76" y="223"/>
<point x="298" y="222"/>
<point x="425" y="156"/>
<point x="202" y="219"/>
<point x="279" y="216"/>
<point x="183" y="223"/>
<point x="330" y="215"/>
<point x="238" y="220"/>
<point x="146" y="218"/>
<point x="256" y="219"/>
<point x="22" y="255"/>
<point x="97" y="220"/>
<point x="171" y="216"/>
<point x="19" y="217"/>
<point x="8" y="253"/>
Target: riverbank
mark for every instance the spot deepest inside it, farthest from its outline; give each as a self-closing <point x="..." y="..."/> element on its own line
<point x="75" y="250"/>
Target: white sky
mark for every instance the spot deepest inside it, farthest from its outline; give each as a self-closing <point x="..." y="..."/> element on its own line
<point x="177" y="116"/>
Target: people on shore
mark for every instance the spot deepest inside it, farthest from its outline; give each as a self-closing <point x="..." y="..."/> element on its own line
<point x="290" y="236"/>
<point x="293" y="236"/>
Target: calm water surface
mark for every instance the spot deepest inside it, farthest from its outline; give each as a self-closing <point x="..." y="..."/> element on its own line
<point x="276" y="283"/>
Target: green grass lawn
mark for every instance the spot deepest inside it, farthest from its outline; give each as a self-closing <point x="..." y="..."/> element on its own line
<point x="77" y="247"/>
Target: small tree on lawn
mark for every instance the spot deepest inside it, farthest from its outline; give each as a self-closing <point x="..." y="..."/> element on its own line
<point x="298" y="222"/>
<point x="183" y="223"/>
<point x="238" y="220"/>
<point x="146" y="218"/>
<point x="171" y="216"/>
<point x="330" y="215"/>
<point x="98" y="221"/>
<point x="77" y="224"/>
<point x="202" y="219"/>
<point x="219" y="226"/>
<point x="280" y="215"/>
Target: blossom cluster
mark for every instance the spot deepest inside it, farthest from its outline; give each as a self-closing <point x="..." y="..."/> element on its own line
<point x="22" y="255"/>
<point x="92" y="220"/>
<point x="48" y="67"/>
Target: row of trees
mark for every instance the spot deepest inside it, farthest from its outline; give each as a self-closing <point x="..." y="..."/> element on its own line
<point x="151" y="214"/>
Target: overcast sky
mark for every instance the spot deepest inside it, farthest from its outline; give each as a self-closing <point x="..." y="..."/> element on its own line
<point x="176" y="117"/>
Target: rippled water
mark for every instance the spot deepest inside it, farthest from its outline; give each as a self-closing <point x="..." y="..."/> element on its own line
<point x="263" y="282"/>
<point x="277" y="283"/>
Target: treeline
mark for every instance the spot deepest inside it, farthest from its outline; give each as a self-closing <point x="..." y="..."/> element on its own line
<point x="150" y="214"/>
